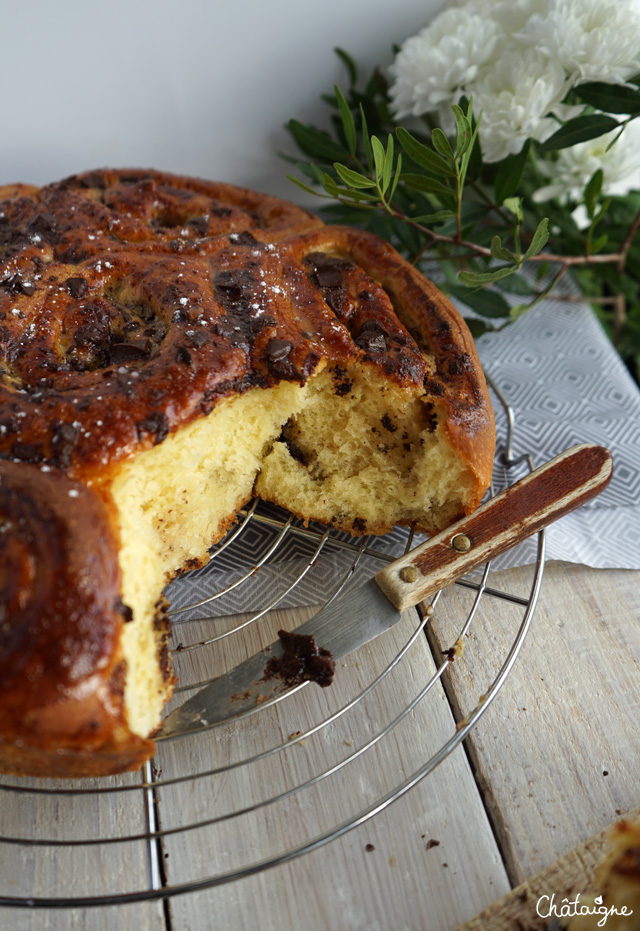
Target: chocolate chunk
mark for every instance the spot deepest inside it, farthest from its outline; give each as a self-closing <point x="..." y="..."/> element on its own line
<point x="339" y="303"/>
<point x="276" y="355"/>
<point x="183" y="355"/>
<point x="17" y="285"/>
<point x="77" y="287"/>
<point x="459" y="364"/>
<point x="198" y="338"/>
<point x="121" y="608"/>
<point x="245" y="238"/>
<point x="329" y="276"/>
<point x="40" y="225"/>
<point x="200" y="225"/>
<point x="294" y="450"/>
<point x="65" y="436"/>
<point x="157" y="424"/>
<point x="371" y="342"/>
<point x="301" y="661"/>
<point x="221" y="211"/>
<point x="134" y="351"/>
<point x="231" y="286"/>
<point x="277" y="349"/>
<point x="27" y="452"/>
<point x="388" y="424"/>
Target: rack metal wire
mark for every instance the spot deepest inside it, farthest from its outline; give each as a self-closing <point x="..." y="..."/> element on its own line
<point x="111" y="838"/>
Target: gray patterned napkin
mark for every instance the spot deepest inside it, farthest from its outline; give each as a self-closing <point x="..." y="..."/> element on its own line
<point x="565" y="384"/>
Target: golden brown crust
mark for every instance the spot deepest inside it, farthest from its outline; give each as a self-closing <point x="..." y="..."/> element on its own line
<point x="61" y="665"/>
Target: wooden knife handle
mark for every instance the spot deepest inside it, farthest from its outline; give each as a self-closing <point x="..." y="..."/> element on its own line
<point x="559" y="486"/>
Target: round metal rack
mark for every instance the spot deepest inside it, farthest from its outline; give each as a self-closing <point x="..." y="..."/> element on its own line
<point x="198" y="816"/>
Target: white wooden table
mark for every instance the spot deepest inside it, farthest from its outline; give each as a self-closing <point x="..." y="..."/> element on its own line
<point x="554" y="760"/>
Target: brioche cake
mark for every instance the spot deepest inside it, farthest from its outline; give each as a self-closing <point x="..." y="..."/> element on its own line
<point x="170" y="347"/>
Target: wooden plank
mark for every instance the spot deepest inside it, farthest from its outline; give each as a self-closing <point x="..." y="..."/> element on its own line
<point x="145" y="916"/>
<point x="572" y="875"/>
<point x="383" y="874"/>
<point x="564" y="761"/>
<point x="59" y="872"/>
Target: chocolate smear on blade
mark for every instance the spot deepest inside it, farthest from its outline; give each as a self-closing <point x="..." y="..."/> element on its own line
<point x="301" y="661"/>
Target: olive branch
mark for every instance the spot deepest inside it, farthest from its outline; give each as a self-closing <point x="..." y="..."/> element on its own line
<point x="431" y="195"/>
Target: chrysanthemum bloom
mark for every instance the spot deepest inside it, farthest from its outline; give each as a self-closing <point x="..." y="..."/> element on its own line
<point x="571" y="170"/>
<point x="593" y="40"/>
<point x="516" y="96"/>
<point x="435" y="67"/>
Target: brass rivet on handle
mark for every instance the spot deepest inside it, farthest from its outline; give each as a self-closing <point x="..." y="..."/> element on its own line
<point x="461" y="543"/>
<point x="409" y="574"/>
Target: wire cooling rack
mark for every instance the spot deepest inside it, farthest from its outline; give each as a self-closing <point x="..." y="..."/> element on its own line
<point x="206" y="810"/>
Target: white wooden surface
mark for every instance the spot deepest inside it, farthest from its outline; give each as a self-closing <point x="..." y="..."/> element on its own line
<point x="528" y="787"/>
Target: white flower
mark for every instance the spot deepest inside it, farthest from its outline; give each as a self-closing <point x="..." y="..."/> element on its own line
<point x="516" y="96"/>
<point x="441" y="62"/>
<point x="574" y="166"/>
<point x="593" y="40"/>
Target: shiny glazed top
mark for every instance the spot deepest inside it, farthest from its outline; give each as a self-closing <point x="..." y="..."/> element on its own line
<point x="132" y="301"/>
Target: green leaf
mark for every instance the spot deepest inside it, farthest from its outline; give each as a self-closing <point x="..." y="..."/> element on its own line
<point x="356" y="198"/>
<point x="480" y="279"/>
<point x="378" y="155"/>
<point x="316" y="142"/>
<point x="477" y="327"/>
<point x="331" y="186"/>
<point x="388" y="164"/>
<point x="463" y="130"/>
<point x="514" y="206"/>
<point x="422" y="155"/>
<point x="347" y="121"/>
<point x="510" y="173"/>
<point x="305" y="187"/>
<point x="487" y="303"/>
<point x="353" y="178"/>
<point x="423" y="183"/>
<point x="518" y="310"/>
<point x="592" y="192"/>
<point x="349" y="64"/>
<point x="541" y="271"/>
<point x="396" y="178"/>
<point x="366" y="140"/>
<point x="471" y="161"/>
<point x="604" y="206"/>
<point x="615" y="138"/>
<point x="580" y="129"/>
<point x="540" y="239"/>
<point x="441" y="144"/>
<point x="434" y="217"/>
<point x="611" y="98"/>
<point x="516" y="284"/>
<point x="598" y="244"/>
<point x="498" y="252"/>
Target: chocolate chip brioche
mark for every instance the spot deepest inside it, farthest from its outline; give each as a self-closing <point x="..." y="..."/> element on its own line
<point x="168" y="348"/>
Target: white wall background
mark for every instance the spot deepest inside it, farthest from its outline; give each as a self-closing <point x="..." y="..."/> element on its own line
<point x="192" y="86"/>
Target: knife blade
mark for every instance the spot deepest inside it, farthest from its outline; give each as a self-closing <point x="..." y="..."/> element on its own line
<point x="561" y="485"/>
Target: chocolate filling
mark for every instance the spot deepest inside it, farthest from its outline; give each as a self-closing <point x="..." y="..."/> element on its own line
<point x="301" y="661"/>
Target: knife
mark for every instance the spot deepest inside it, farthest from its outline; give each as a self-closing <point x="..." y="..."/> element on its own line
<point x="559" y="486"/>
